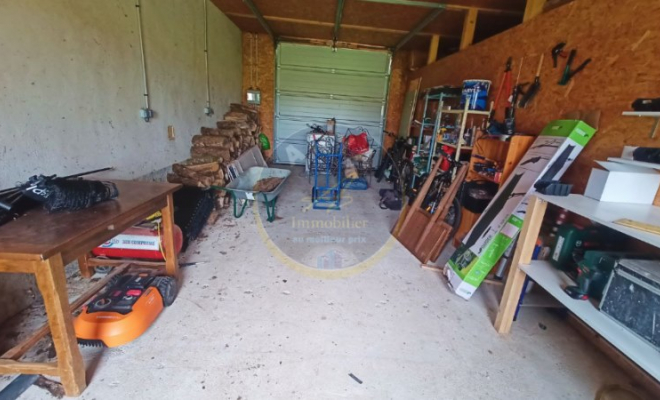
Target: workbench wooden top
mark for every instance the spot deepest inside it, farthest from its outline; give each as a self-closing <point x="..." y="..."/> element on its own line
<point x="39" y="234"/>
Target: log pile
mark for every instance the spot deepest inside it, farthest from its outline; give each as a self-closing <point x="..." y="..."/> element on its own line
<point x="216" y="147"/>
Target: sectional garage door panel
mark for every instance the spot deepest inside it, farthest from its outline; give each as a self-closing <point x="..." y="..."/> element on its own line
<point x="315" y="84"/>
<point x="343" y="59"/>
<point x="297" y="107"/>
<point x="331" y="83"/>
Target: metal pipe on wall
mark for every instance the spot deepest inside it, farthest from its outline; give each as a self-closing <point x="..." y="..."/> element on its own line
<point x="145" y="113"/>
<point x="207" y="110"/>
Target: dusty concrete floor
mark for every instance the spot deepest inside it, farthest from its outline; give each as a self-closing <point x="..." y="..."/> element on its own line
<point x="250" y="324"/>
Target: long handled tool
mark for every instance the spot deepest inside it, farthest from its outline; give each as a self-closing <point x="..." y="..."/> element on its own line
<point x="534" y="88"/>
<point x="505" y="87"/>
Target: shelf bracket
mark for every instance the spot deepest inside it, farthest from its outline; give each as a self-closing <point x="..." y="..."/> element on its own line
<point x="655" y="128"/>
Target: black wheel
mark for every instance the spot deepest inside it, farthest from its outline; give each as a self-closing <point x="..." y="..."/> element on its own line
<point x="384" y="165"/>
<point x="167" y="288"/>
<point x="103" y="269"/>
<point x="453" y="217"/>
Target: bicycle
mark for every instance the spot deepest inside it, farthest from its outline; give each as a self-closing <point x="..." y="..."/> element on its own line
<point x="397" y="162"/>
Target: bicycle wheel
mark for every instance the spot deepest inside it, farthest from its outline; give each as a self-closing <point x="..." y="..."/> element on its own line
<point x="384" y="165"/>
<point x="453" y="217"/>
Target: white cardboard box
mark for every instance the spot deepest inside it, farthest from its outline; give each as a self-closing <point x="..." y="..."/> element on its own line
<point x="622" y="183"/>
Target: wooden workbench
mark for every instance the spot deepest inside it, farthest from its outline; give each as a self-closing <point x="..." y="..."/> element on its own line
<point x="43" y="244"/>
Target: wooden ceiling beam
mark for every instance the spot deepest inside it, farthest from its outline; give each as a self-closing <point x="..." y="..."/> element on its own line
<point x="338" y="17"/>
<point x="420" y="25"/>
<point x="433" y="49"/>
<point x="257" y="14"/>
<point x="469" y="26"/>
<point x="533" y="9"/>
<point x="456" y="7"/>
<point x="330" y="24"/>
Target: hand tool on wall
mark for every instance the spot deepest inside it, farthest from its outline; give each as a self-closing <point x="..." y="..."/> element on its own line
<point x="534" y="88"/>
<point x="505" y="87"/>
<point x="510" y="114"/>
<point x="568" y="73"/>
<point x="558" y="51"/>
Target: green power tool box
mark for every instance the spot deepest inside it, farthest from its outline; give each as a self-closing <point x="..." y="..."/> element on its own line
<point x="593" y="272"/>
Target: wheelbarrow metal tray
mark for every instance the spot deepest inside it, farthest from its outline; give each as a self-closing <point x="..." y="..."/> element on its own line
<point x="243" y="185"/>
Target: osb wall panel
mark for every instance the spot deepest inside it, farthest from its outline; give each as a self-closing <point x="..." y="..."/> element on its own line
<point x="263" y="77"/>
<point x="265" y="80"/>
<point x="622" y="38"/>
<point x="397" y="93"/>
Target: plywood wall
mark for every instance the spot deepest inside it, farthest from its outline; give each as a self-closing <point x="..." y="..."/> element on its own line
<point x="263" y="77"/>
<point x="259" y="72"/>
<point x="623" y="39"/>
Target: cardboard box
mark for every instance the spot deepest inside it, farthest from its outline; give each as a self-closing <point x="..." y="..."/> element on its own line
<point x="622" y="183"/>
<point x="548" y="158"/>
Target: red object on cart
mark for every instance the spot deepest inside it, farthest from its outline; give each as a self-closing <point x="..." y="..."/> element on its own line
<point x="444" y="165"/>
<point x="139" y="242"/>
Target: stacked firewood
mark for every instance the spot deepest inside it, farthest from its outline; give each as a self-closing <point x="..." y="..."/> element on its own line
<point x="214" y="148"/>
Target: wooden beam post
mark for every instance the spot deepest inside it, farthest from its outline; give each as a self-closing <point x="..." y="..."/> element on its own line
<point x="523" y="255"/>
<point x="51" y="281"/>
<point x="433" y="49"/>
<point x="533" y="9"/>
<point x="469" y="27"/>
<point x="171" y="262"/>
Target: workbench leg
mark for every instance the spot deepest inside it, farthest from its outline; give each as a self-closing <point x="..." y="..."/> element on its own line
<point x="85" y="270"/>
<point x="172" y="262"/>
<point x="51" y="280"/>
<point x="523" y="255"/>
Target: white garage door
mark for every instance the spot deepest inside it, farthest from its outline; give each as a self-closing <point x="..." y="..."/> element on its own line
<point x="315" y="84"/>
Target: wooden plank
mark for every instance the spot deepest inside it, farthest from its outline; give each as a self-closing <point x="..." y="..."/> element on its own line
<point x="171" y="262"/>
<point x="52" y="284"/>
<point x="85" y="269"/>
<point x="437" y="232"/>
<point x="523" y="255"/>
<point x="18" y="266"/>
<point x="638" y="225"/>
<point x="433" y="49"/>
<point x="20" y="349"/>
<point x="107" y="262"/>
<point x="469" y="26"/>
<point x="8" y="367"/>
<point x="533" y="9"/>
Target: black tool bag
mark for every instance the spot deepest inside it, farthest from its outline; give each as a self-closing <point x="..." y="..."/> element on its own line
<point x="646" y="105"/>
<point x="60" y="194"/>
<point x="390" y="200"/>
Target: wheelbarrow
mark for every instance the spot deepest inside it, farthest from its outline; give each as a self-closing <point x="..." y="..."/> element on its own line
<point x="244" y="174"/>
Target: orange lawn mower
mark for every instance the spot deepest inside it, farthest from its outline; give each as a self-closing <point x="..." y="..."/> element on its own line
<point x="124" y="309"/>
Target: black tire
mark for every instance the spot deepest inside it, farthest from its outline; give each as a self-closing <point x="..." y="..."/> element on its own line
<point x="103" y="269"/>
<point x="454" y="215"/>
<point x="166" y="286"/>
<point x="384" y="164"/>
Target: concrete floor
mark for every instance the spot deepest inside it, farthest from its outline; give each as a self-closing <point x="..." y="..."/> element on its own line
<point x="252" y="324"/>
